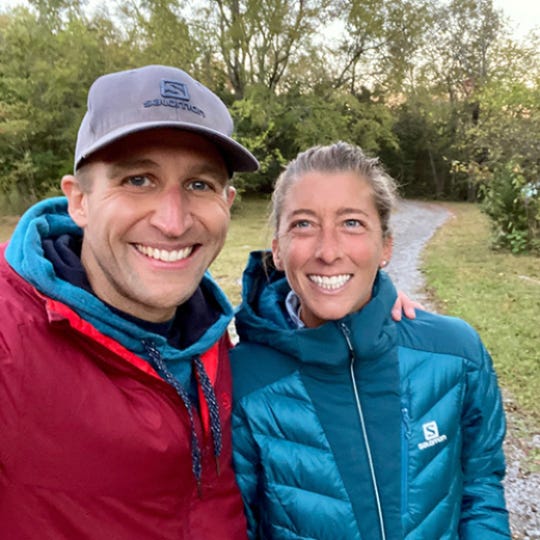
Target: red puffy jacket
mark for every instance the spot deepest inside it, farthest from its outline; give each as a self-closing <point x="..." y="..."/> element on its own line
<point x="94" y="444"/>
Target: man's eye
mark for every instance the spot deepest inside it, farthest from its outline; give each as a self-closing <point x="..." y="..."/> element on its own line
<point x="199" y="185"/>
<point x="300" y="224"/>
<point x="139" y="181"/>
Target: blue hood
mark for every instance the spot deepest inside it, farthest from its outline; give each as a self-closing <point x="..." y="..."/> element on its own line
<point x="262" y="317"/>
<point x="25" y="254"/>
<point x="284" y="376"/>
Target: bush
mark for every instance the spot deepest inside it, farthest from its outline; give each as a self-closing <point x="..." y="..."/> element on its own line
<point x="512" y="201"/>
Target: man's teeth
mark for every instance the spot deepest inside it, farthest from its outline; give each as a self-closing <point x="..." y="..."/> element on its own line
<point x="164" y="254"/>
<point x="330" y="282"/>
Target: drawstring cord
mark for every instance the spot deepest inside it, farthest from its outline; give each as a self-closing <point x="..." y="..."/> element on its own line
<point x="213" y="408"/>
<point x="208" y="391"/>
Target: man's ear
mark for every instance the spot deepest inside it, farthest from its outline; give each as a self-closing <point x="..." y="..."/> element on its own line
<point x="77" y="200"/>
<point x="231" y="194"/>
<point x="276" y="254"/>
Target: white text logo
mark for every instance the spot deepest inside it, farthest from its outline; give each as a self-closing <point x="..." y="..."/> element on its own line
<point x="431" y="435"/>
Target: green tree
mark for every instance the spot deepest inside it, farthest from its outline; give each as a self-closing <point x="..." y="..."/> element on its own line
<point x="161" y="32"/>
<point x="379" y="42"/>
<point x="45" y="73"/>
<point x="258" y="39"/>
<point x="459" y="56"/>
<point x="512" y="202"/>
<point x="509" y="131"/>
<point x="286" y="123"/>
<point x="424" y="135"/>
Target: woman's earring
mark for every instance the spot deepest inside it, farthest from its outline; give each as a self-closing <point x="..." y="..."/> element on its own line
<point x="383" y="263"/>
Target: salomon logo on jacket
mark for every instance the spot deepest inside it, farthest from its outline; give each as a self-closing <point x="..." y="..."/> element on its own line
<point x="431" y="435"/>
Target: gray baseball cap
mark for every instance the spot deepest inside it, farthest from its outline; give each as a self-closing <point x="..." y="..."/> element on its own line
<point x="157" y="97"/>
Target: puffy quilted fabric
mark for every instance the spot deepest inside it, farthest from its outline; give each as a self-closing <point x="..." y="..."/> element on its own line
<point x="94" y="444"/>
<point x="430" y="406"/>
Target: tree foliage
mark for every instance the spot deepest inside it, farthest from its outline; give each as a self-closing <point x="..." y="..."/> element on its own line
<point x="45" y="73"/>
<point x="437" y="88"/>
<point x="257" y="39"/>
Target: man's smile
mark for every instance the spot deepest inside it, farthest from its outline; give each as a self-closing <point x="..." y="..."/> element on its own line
<point x="164" y="255"/>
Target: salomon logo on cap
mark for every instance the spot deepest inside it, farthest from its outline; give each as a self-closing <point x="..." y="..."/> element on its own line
<point x="157" y="97"/>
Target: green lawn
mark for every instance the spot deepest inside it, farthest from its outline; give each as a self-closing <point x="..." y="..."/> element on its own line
<point x="498" y="293"/>
<point x="248" y="231"/>
<point x="7" y="223"/>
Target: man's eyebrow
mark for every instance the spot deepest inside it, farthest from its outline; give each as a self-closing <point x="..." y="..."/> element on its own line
<point x="120" y="167"/>
<point x="214" y="170"/>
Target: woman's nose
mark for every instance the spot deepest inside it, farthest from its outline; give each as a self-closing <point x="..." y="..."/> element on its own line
<point x="328" y="245"/>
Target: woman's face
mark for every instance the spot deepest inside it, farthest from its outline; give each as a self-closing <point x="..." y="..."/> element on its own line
<point x="330" y="244"/>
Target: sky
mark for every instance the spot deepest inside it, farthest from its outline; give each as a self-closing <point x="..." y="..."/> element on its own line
<point x="523" y="14"/>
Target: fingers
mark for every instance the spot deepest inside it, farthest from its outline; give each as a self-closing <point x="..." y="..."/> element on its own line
<point x="404" y="305"/>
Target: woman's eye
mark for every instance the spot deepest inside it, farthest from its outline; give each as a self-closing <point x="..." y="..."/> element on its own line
<point x="139" y="181"/>
<point x="353" y="223"/>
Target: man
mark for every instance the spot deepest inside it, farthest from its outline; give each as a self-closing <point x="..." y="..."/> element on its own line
<point x="115" y="390"/>
<point x="114" y="379"/>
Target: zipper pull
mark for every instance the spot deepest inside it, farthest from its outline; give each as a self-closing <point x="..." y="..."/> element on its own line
<point x="347" y="334"/>
<point x="406" y="422"/>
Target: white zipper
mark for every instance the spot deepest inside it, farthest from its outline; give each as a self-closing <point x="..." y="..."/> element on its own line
<point x="346" y="333"/>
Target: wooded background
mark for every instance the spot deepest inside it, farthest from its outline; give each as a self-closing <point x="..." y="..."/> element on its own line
<point x="439" y="90"/>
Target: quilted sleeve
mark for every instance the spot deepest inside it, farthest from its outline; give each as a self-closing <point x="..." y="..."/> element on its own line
<point x="12" y="387"/>
<point x="245" y="458"/>
<point x="483" y="513"/>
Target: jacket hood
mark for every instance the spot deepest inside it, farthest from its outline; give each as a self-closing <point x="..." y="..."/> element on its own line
<point x="25" y="254"/>
<point x="262" y="318"/>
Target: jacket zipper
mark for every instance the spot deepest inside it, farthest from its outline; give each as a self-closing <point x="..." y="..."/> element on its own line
<point x="405" y="436"/>
<point x="347" y="333"/>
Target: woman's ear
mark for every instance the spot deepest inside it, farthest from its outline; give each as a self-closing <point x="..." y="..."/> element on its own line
<point x="388" y="246"/>
<point x="276" y="254"/>
<point x="77" y="199"/>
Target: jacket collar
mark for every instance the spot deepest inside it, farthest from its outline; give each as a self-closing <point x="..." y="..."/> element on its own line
<point x="262" y="318"/>
<point x="25" y="254"/>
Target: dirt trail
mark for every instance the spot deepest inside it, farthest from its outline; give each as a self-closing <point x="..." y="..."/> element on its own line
<point x="413" y="225"/>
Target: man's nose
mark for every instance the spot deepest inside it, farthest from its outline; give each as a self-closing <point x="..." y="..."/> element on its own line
<point x="172" y="213"/>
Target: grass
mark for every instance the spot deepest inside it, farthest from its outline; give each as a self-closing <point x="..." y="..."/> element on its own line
<point x="7" y="224"/>
<point x="498" y="293"/>
<point x="248" y="231"/>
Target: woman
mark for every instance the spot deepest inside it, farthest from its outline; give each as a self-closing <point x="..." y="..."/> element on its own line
<point x="347" y="424"/>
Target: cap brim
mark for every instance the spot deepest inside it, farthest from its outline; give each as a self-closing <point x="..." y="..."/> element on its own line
<point x="238" y="158"/>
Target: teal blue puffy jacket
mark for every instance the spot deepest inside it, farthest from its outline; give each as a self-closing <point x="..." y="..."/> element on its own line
<point x="364" y="428"/>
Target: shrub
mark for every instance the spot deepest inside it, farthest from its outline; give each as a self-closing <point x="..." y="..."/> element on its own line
<point x="512" y="201"/>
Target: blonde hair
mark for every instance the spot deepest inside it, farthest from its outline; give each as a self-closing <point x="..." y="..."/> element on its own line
<point x="337" y="157"/>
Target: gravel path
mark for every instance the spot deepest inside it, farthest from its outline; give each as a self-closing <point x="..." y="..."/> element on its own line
<point x="413" y="224"/>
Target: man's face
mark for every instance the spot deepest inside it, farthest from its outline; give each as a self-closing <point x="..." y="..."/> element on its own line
<point x="155" y="213"/>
